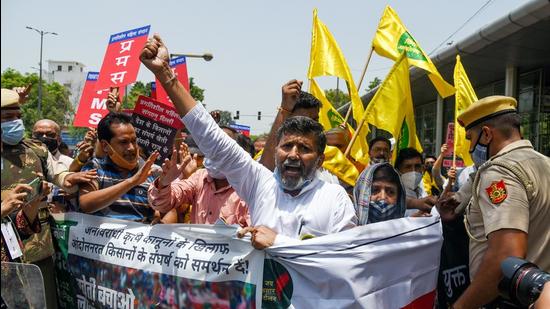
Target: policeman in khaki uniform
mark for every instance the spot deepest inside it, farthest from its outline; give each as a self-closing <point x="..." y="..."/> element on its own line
<point x="509" y="212"/>
<point x="22" y="161"/>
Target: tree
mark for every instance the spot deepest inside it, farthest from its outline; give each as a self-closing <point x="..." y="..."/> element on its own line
<point x="373" y="84"/>
<point x="196" y="92"/>
<point x="55" y="99"/>
<point x="226" y="118"/>
<point x="138" y="88"/>
<point x="337" y="97"/>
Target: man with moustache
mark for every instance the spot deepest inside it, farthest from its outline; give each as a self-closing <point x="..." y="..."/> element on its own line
<point x="123" y="177"/>
<point x="285" y="204"/>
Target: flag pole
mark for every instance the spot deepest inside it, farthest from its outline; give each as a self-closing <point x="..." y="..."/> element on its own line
<point x="360" y="82"/>
<point x="354" y="137"/>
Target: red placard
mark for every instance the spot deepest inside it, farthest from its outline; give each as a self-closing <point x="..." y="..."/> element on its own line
<point x="450" y="141"/>
<point x="179" y="67"/>
<point x="121" y="62"/>
<point x="93" y="103"/>
<point x="156" y="124"/>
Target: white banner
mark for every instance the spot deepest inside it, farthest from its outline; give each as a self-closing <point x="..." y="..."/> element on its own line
<point x="383" y="265"/>
<point x="204" y="253"/>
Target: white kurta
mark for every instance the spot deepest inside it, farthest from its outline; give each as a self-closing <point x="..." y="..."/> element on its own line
<point x="320" y="208"/>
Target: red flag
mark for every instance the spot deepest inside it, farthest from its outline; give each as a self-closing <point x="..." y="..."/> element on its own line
<point x="121" y="63"/>
<point x="93" y="103"/>
<point x="179" y="67"/>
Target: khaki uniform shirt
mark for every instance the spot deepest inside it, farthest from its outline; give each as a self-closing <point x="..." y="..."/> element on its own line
<point x="502" y="201"/>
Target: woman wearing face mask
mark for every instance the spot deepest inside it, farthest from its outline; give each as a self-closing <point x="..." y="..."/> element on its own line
<point x="379" y="194"/>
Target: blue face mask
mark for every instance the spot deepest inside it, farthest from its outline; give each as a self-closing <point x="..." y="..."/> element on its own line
<point x="13" y="131"/>
<point x="301" y="184"/>
<point x="381" y="211"/>
<point x="480" y="154"/>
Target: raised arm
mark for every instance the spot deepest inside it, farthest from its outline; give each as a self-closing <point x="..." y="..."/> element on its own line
<point x="290" y="94"/>
<point x="156" y="58"/>
<point x="242" y="172"/>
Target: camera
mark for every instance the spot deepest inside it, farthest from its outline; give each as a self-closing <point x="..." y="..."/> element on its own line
<point x="522" y="282"/>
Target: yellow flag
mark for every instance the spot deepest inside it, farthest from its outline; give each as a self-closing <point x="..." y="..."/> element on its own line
<point x="392" y="38"/>
<point x="326" y="59"/>
<point x="328" y="116"/>
<point x="465" y="95"/>
<point x="336" y="163"/>
<point x="391" y="108"/>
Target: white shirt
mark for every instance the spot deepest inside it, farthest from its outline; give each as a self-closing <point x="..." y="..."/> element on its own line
<point x="62" y="160"/>
<point x="320" y="208"/>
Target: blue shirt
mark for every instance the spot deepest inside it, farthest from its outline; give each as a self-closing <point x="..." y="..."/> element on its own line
<point x="133" y="204"/>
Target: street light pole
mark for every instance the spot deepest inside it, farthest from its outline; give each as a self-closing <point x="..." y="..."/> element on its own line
<point x="205" y="56"/>
<point x="42" y="33"/>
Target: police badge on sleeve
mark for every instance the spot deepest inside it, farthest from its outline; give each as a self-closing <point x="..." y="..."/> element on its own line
<point x="497" y="192"/>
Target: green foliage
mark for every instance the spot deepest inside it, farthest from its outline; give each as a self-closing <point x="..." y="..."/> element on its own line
<point x="373" y="84"/>
<point x="337" y="97"/>
<point x="55" y="99"/>
<point x="226" y="118"/>
<point x="139" y="88"/>
<point x="196" y="92"/>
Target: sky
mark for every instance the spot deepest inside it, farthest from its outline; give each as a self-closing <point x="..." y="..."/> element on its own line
<point x="257" y="45"/>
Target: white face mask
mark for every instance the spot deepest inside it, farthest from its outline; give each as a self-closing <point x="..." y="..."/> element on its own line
<point x="212" y="170"/>
<point x="411" y="180"/>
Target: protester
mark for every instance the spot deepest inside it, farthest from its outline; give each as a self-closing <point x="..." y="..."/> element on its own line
<point x="123" y="177"/>
<point x="379" y="194"/>
<point x="428" y="180"/>
<point x="410" y="166"/>
<point x="246" y="143"/>
<point x="509" y="211"/>
<point x="64" y="149"/>
<point x="282" y="204"/>
<point x="206" y="191"/>
<point x="23" y="161"/>
<point x="259" y="144"/>
<point x="49" y="133"/>
<point x="379" y="150"/>
<point x="86" y="150"/>
<point x="304" y="104"/>
<point x="194" y="150"/>
<point x="338" y="137"/>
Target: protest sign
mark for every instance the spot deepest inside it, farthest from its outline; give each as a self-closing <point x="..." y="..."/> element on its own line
<point x="154" y="90"/>
<point x="93" y="103"/>
<point x="156" y="124"/>
<point x="121" y="62"/>
<point x="179" y="68"/>
<point x="244" y="130"/>
<point x="123" y="264"/>
<point x="450" y="141"/>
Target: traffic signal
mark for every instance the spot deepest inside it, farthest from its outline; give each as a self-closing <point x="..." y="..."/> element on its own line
<point x="236" y="115"/>
<point x="259" y="115"/>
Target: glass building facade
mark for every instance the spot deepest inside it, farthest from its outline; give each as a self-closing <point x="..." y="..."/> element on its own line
<point x="532" y="94"/>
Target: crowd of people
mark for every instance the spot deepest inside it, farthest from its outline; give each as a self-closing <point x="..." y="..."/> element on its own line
<point x="275" y="188"/>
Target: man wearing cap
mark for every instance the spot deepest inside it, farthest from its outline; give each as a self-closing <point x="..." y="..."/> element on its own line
<point x="509" y="211"/>
<point x="23" y="160"/>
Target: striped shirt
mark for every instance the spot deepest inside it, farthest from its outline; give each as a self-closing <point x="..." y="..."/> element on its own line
<point x="132" y="205"/>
